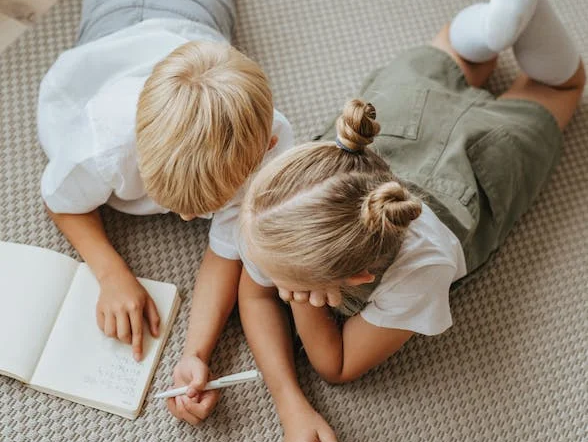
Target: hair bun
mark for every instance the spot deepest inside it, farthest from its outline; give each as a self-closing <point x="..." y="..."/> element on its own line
<point x="357" y="125"/>
<point x="390" y="206"/>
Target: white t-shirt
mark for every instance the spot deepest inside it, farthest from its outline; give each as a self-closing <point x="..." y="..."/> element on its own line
<point x="86" y="124"/>
<point x="414" y="291"/>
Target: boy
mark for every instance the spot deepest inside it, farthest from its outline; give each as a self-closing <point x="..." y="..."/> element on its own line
<point x="125" y="124"/>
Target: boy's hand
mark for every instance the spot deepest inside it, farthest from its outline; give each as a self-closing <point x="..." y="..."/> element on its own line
<point x="306" y="425"/>
<point x="122" y="304"/>
<point x="316" y="298"/>
<point x="196" y="405"/>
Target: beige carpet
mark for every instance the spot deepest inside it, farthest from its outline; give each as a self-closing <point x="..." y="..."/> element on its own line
<point x="513" y="367"/>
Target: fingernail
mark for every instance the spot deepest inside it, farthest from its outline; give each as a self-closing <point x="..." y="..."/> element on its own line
<point x="137" y="356"/>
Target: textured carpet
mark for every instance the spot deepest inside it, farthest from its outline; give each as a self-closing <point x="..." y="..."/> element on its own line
<point x="512" y="368"/>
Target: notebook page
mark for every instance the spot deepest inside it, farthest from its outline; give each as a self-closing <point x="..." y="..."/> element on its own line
<point x="33" y="283"/>
<point x="80" y="361"/>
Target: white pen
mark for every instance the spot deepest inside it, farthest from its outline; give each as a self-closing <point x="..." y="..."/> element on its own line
<point x="225" y="381"/>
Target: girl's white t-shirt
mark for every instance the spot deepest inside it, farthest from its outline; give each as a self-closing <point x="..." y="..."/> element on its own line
<point x="414" y="291"/>
<point x="86" y="125"/>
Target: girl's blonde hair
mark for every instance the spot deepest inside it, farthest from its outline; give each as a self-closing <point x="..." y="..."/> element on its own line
<point x="326" y="211"/>
<point x="204" y="122"/>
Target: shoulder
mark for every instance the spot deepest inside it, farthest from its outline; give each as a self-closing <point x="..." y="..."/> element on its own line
<point x="413" y="293"/>
<point x="283" y="130"/>
<point x="428" y="241"/>
<point x="130" y="52"/>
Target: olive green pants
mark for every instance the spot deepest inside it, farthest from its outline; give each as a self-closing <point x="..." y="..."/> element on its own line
<point x="479" y="162"/>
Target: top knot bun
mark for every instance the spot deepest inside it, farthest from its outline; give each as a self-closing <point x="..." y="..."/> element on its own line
<point x="357" y="125"/>
<point x="389" y="207"/>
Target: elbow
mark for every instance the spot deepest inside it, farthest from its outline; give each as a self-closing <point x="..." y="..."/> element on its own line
<point x="339" y="377"/>
<point x="49" y="212"/>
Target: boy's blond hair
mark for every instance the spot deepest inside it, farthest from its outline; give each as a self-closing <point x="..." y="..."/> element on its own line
<point x="204" y="121"/>
<point x="327" y="211"/>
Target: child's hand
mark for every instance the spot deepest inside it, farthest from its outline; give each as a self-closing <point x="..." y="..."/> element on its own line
<point x="122" y="304"/>
<point x="307" y="426"/>
<point x="196" y="405"/>
<point x="316" y="298"/>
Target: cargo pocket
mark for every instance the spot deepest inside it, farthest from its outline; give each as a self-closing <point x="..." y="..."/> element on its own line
<point x="399" y="109"/>
<point x="498" y="170"/>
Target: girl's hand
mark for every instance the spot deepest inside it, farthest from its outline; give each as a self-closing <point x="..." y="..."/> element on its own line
<point x="196" y="405"/>
<point x="307" y="425"/>
<point x="316" y="298"/>
<point x="122" y="304"/>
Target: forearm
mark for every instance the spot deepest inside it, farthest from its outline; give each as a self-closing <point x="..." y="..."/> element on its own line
<point x="321" y="337"/>
<point x="266" y="327"/>
<point x="86" y="234"/>
<point x="343" y="354"/>
<point x="213" y="299"/>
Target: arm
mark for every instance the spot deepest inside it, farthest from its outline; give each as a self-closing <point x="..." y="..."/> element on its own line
<point x="213" y="299"/>
<point x="344" y="355"/>
<point x="266" y="329"/>
<point x="123" y="300"/>
<point x="417" y="303"/>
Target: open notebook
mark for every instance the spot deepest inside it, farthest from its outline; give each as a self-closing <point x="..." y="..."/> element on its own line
<point x="49" y="338"/>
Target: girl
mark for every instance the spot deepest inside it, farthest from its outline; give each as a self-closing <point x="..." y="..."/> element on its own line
<point x="329" y="222"/>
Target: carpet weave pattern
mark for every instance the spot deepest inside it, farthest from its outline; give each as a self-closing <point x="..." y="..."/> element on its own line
<point x="512" y="368"/>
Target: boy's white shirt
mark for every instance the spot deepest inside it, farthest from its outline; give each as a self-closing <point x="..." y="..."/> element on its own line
<point x="86" y="125"/>
<point x="414" y="291"/>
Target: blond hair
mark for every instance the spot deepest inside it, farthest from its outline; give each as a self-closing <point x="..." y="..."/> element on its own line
<point x="326" y="211"/>
<point x="204" y="121"/>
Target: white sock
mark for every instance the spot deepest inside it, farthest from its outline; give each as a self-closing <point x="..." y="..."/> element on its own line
<point x="467" y="34"/>
<point x="545" y="51"/>
<point x="543" y="48"/>
<point x="506" y="20"/>
<point x="481" y="31"/>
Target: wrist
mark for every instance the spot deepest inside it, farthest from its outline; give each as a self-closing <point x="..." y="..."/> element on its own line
<point x="196" y="353"/>
<point x="289" y="401"/>
<point x="112" y="268"/>
<point x="293" y="410"/>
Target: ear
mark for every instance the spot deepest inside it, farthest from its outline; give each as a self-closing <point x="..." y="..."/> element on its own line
<point x="364" y="277"/>
<point x="273" y="142"/>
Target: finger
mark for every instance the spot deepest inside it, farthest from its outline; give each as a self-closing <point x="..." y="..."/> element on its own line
<point x="334" y="299"/>
<point x="193" y="393"/>
<point x="123" y="328"/>
<point x="326" y="435"/>
<point x="100" y="319"/>
<point x="137" y="332"/>
<point x="317" y="299"/>
<point x="110" y="325"/>
<point x="202" y="409"/>
<point x="172" y="407"/>
<point x="182" y="403"/>
<point x="285" y="295"/>
<point x="301" y="296"/>
<point x="198" y="376"/>
<point x="152" y="317"/>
